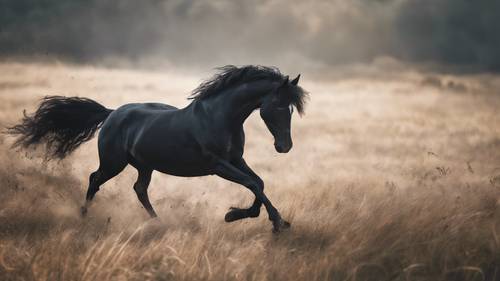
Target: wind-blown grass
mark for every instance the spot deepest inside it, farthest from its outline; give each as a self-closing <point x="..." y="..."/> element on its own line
<point x="388" y="180"/>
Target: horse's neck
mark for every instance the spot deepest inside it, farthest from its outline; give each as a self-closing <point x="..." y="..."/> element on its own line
<point x="238" y="103"/>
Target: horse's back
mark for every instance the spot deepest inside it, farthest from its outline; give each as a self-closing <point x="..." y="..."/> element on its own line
<point x="128" y="120"/>
<point x="149" y="106"/>
<point x="135" y="114"/>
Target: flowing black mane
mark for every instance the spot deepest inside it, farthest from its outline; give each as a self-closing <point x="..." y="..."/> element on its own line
<point x="231" y="75"/>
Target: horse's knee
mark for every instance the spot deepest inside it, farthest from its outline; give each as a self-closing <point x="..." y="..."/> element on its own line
<point x="257" y="187"/>
<point x="137" y="188"/>
<point x="140" y="188"/>
<point x="142" y="182"/>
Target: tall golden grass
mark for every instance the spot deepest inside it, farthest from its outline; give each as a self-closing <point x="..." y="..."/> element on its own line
<point x="391" y="178"/>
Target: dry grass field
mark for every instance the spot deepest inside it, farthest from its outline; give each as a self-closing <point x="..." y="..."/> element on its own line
<point x="392" y="177"/>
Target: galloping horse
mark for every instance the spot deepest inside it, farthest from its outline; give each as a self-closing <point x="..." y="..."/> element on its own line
<point x="204" y="138"/>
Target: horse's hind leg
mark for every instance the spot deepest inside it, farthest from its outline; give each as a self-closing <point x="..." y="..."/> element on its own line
<point x="141" y="189"/>
<point x="107" y="170"/>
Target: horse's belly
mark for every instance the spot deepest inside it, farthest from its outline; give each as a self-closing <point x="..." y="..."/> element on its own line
<point x="176" y="161"/>
<point x="184" y="171"/>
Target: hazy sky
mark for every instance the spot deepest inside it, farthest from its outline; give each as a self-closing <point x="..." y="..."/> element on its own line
<point x="454" y="35"/>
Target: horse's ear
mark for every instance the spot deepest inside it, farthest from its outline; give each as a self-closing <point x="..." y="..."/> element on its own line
<point x="285" y="81"/>
<point x="295" y="81"/>
<point x="283" y="84"/>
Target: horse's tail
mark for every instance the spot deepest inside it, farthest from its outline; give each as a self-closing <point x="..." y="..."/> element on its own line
<point x="62" y="123"/>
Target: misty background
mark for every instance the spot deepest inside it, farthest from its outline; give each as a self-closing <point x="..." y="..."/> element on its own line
<point x="459" y="36"/>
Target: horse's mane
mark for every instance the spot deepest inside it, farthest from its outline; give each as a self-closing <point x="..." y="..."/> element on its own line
<point x="230" y="75"/>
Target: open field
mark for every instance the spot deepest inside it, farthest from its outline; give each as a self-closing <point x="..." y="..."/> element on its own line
<point x="391" y="177"/>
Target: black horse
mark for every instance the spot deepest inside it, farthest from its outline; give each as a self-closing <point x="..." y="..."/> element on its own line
<point x="204" y="138"/>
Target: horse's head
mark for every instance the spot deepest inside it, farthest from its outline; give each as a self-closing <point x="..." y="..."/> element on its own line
<point x="276" y="111"/>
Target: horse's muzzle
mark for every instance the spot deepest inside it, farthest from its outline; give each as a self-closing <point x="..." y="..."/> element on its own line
<point x="283" y="148"/>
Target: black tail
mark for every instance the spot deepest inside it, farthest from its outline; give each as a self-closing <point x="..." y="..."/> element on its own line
<point x="62" y="123"/>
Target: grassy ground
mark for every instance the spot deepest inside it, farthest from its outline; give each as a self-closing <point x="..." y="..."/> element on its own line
<point x="391" y="177"/>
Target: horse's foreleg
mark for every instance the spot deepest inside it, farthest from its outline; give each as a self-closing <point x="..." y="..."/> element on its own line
<point x="254" y="210"/>
<point x="141" y="189"/>
<point x="229" y="172"/>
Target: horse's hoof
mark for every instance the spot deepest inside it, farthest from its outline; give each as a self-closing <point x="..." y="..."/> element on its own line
<point x="235" y="214"/>
<point x="285" y="224"/>
<point x="281" y="225"/>
<point x="83" y="211"/>
<point x="230" y="216"/>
